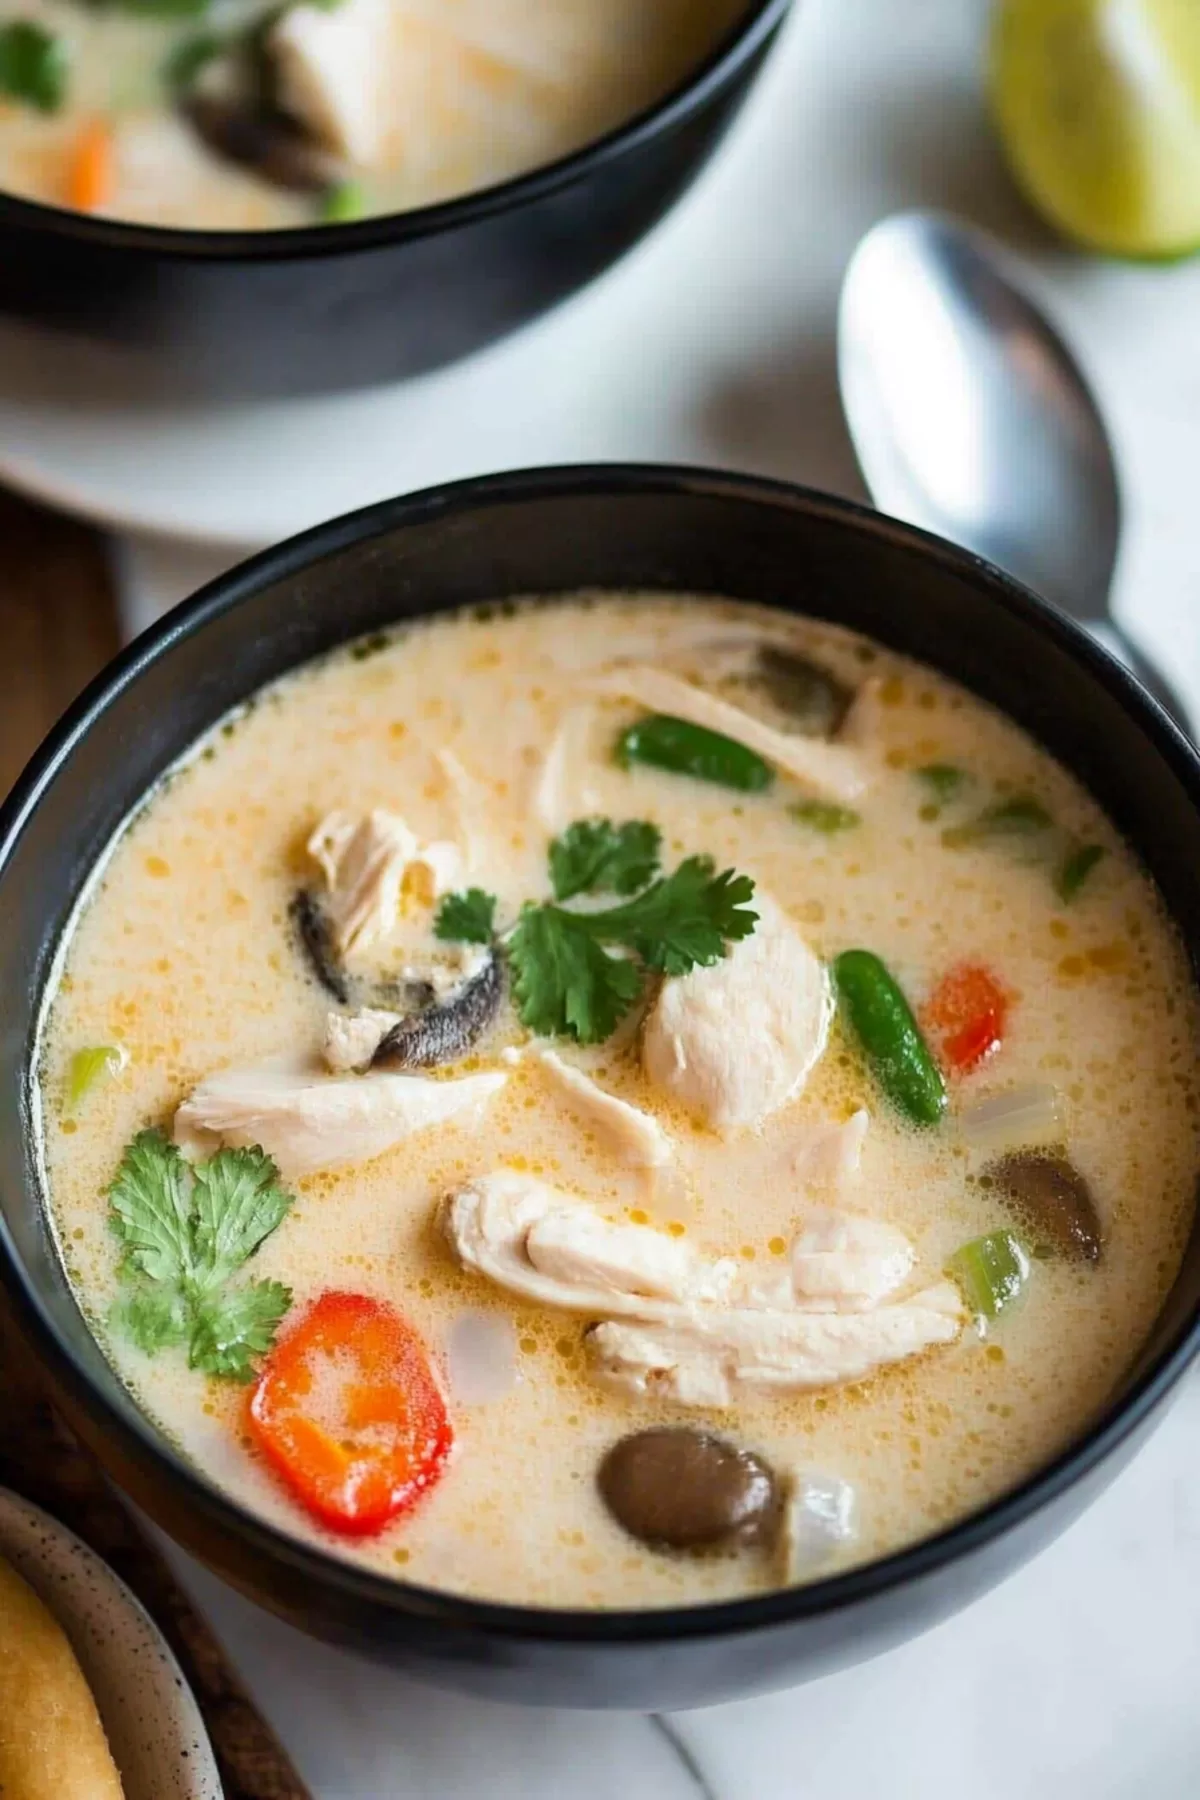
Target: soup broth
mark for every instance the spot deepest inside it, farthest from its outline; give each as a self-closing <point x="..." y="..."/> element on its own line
<point x="238" y="116"/>
<point x="489" y="735"/>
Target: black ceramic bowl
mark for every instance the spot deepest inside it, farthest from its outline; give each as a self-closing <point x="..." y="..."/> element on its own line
<point x="545" y="533"/>
<point x="244" y="314"/>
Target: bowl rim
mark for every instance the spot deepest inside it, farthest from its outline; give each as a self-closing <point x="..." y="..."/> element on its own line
<point x="719" y="68"/>
<point x="142" y="1444"/>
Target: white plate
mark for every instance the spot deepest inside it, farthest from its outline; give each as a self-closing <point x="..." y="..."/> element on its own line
<point x="152" y="1722"/>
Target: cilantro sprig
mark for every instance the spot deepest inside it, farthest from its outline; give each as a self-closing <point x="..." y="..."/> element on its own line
<point x="595" y="856"/>
<point x="185" y="1230"/>
<point x="567" y="984"/>
<point x="466" y="918"/>
<point x="566" y="979"/>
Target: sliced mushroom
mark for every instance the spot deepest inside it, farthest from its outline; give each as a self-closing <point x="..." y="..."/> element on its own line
<point x="816" y="700"/>
<point x="268" y="143"/>
<point x="316" y="936"/>
<point x="442" y="1032"/>
<point x="1052" y="1199"/>
<point x="677" y="1488"/>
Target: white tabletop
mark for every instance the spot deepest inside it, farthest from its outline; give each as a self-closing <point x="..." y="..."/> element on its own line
<point x="714" y="343"/>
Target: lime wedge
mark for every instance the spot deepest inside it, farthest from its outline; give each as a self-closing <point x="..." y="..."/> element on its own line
<point x="1098" y="106"/>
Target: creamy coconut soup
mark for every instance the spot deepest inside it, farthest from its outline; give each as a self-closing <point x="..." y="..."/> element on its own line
<point x="239" y="114"/>
<point x="619" y="1103"/>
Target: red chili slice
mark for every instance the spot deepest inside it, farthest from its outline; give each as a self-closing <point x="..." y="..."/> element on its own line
<point x="966" y="1016"/>
<point x="348" y="1410"/>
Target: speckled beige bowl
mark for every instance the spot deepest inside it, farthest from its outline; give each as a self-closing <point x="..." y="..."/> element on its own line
<point x="154" y="1728"/>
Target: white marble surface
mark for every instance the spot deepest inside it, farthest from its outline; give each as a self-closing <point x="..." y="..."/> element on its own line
<point x="714" y="343"/>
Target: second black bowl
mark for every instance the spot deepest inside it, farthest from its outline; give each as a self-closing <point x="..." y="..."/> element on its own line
<point x="252" y="314"/>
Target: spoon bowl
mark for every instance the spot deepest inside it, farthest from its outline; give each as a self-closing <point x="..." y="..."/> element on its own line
<point x="971" y="417"/>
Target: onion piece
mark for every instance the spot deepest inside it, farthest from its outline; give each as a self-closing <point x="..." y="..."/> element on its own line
<point x="819" y="1518"/>
<point x="1020" y="1116"/>
<point x="481" y="1357"/>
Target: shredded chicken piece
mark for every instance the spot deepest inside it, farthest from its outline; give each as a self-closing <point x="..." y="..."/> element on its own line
<point x="702" y="1360"/>
<point x="547" y="1246"/>
<point x="736" y="1041"/>
<point x="561" y="794"/>
<point x="833" y="771"/>
<point x="840" y="1260"/>
<point x="689" y="1330"/>
<point x="329" y="63"/>
<point x="830" y="1156"/>
<point x="636" y="1136"/>
<point x="369" y="865"/>
<point x="311" y="1121"/>
<point x="351" y="1039"/>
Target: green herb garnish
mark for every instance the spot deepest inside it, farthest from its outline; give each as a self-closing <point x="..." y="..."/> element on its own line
<point x="1075" y="870"/>
<point x="186" y="60"/>
<point x="1020" y="817"/>
<point x="595" y="856"/>
<point x="33" y="65"/>
<point x="466" y="918"/>
<point x="566" y="984"/>
<point x="824" y="816"/>
<point x="185" y="1231"/>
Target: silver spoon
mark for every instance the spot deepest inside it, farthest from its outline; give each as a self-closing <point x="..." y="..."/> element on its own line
<point x="970" y="417"/>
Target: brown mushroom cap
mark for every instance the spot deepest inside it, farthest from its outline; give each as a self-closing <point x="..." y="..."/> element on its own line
<point x="678" y="1488"/>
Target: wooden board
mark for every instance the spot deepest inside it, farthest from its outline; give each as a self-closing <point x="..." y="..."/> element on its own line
<point x="58" y="627"/>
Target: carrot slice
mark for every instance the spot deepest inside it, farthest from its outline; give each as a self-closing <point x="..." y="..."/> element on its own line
<point x="349" y="1412"/>
<point x="90" y="178"/>
<point x="966" y="1016"/>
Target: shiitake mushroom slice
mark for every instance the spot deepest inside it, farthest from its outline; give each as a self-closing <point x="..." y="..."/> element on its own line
<point x="1049" y="1196"/>
<point x="813" y="698"/>
<point x="432" y="1032"/>
<point x="677" y="1488"/>
<point x="442" y="1033"/>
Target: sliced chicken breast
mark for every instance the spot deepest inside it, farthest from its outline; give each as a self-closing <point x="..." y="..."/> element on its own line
<point x="329" y="63"/>
<point x="369" y="863"/>
<point x="547" y="1246"/>
<point x="636" y="1137"/>
<point x="736" y="1041"/>
<point x="832" y="771"/>
<point x="845" y="1262"/>
<point x="310" y="1121"/>
<point x="704" y="1360"/>
<point x="351" y="1039"/>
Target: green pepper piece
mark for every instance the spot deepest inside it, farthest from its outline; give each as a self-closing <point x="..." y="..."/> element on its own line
<point x="33" y="65"/>
<point x="943" y="780"/>
<point x="343" y="203"/>
<point x="824" y="816"/>
<point x="991" y="1271"/>
<point x="883" y="1022"/>
<point x="665" y="742"/>
<point x="1020" y="817"/>
<point x="1076" y="869"/>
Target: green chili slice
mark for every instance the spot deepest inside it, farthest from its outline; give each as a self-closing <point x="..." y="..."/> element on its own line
<point x="883" y="1022"/>
<point x="664" y="742"/>
<point x="825" y="816"/>
<point x="1076" y="869"/>
<point x="991" y="1271"/>
<point x="1020" y="817"/>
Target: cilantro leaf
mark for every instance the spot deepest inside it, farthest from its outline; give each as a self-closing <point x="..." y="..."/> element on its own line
<point x="152" y="1317"/>
<point x="684" y="920"/>
<point x="185" y="1230"/>
<point x="150" y="1208"/>
<point x="564" y="983"/>
<point x="467" y="918"/>
<point x="594" y="855"/>
<point x="238" y="1202"/>
<point x="236" y="1324"/>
